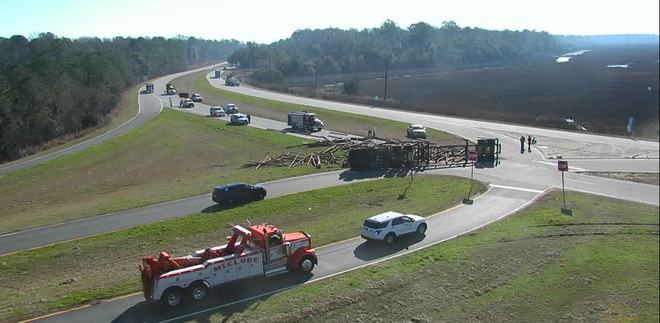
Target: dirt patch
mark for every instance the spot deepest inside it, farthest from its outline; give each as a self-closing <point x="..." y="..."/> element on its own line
<point x="645" y="178"/>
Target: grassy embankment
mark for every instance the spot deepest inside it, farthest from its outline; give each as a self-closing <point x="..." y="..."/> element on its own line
<point x="334" y="120"/>
<point x="644" y="178"/>
<point x="106" y="265"/>
<point x="534" y="266"/>
<point x="176" y="155"/>
<point x="126" y="109"/>
<point x="187" y="156"/>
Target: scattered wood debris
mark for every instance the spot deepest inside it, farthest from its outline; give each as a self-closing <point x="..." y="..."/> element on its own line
<point x="334" y="153"/>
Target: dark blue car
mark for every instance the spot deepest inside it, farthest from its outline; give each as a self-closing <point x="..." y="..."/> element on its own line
<point x="237" y="192"/>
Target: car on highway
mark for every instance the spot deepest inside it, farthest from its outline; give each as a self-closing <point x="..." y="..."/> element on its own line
<point x="232" y="82"/>
<point x="197" y="97"/>
<point x="416" y="131"/>
<point x="217" y="112"/>
<point x="237" y="192"/>
<point x="239" y="119"/>
<point x="390" y="225"/>
<point x="231" y="108"/>
<point x="186" y="103"/>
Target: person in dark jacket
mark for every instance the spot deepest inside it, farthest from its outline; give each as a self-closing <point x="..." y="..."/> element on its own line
<point x="529" y="143"/>
<point x="522" y="144"/>
<point x="249" y="119"/>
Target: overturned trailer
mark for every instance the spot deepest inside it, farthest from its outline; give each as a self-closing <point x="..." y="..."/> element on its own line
<point x="421" y="153"/>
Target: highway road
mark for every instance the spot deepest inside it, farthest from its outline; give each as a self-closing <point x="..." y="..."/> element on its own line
<point x="332" y="260"/>
<point x="515" y="183"/>
<point x="569" y="144"/>
<point x="149" y="107"/>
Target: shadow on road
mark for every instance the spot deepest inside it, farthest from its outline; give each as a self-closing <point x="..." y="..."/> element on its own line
<point x="217" y="302"/>
<point x="371" y="250"/>
<point x="485" y="165"/>
<point x="350" y="175"/>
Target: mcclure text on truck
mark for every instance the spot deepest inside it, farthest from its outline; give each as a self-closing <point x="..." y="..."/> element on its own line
<point x="263" y="250"/>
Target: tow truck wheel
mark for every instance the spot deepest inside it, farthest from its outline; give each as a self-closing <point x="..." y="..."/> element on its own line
<point x="306" y="265"/>
<point x="198" y="291"/>
<point x="172" y="298"/>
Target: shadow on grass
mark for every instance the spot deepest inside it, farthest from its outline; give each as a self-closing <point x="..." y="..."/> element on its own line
<point x="229" y="299"/>
<point x="218" y="208"/>
<point x="235" y="125"/>
<point x="371" y="250"/>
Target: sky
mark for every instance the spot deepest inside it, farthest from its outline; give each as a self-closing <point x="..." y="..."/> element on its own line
<point x="266" y="21"/>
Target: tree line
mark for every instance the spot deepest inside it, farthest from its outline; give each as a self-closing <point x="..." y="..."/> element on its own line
<point x="332" y="50"/>
<point x="52" y="86"/>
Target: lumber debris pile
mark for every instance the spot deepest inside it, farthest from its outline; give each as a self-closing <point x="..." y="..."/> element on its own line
<point x="334" y="153"/>
<point x="447" y="154"/>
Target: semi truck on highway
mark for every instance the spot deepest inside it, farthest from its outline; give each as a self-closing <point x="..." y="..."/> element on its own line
<point x="263" y="250"/>
<point x="304" y="121"/>
<point x="170" y="89"/>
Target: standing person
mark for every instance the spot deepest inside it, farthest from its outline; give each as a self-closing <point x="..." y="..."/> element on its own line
<point x="250" y="119"/>
<point x="522" y="144"/>
<point x="529" y="143"/>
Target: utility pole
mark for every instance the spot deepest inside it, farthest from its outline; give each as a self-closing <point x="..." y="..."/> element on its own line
<point x="387" y="61"/>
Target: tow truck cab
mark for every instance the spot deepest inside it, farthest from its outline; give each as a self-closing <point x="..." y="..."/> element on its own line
<point x="260" y="250"/>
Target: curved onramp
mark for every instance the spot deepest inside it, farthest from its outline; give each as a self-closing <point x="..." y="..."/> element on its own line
<point x="148" y="108"/>
<point x="516" y="182"/>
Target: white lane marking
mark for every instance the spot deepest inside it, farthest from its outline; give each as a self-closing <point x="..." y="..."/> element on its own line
<point x="161" y="107"/>
<point x="573" y="168"/>
<point x="516" y="188"/>
<point x="88" y="140"/>
<point x="572" y="180"/>
<point x="362" y="266"/>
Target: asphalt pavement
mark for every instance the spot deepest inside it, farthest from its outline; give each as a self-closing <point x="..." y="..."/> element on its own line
<point x="515" y="182"/>
<point x="333" y="260"/>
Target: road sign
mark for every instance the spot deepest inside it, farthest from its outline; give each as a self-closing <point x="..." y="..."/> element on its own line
<point x="473" y="156"/>
<point x="562" y="165"/>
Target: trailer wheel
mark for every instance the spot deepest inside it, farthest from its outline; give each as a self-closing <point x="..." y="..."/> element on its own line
<point x="198" y="291"/>
<point x="306" y="265"/>
<point x="172" y="297"/>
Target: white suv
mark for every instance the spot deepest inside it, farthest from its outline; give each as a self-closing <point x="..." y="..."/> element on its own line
<point x="389" y="225"/>
<point x="416" y="131"/>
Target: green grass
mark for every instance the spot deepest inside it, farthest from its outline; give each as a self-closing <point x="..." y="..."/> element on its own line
<point x="105" y="265"/>
<point x="174" y="156"/>
<point x="334" y="120"/>
<point x="529" y="267"/>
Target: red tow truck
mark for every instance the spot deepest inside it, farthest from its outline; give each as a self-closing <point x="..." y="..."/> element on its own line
<point x="263" y="250"/>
